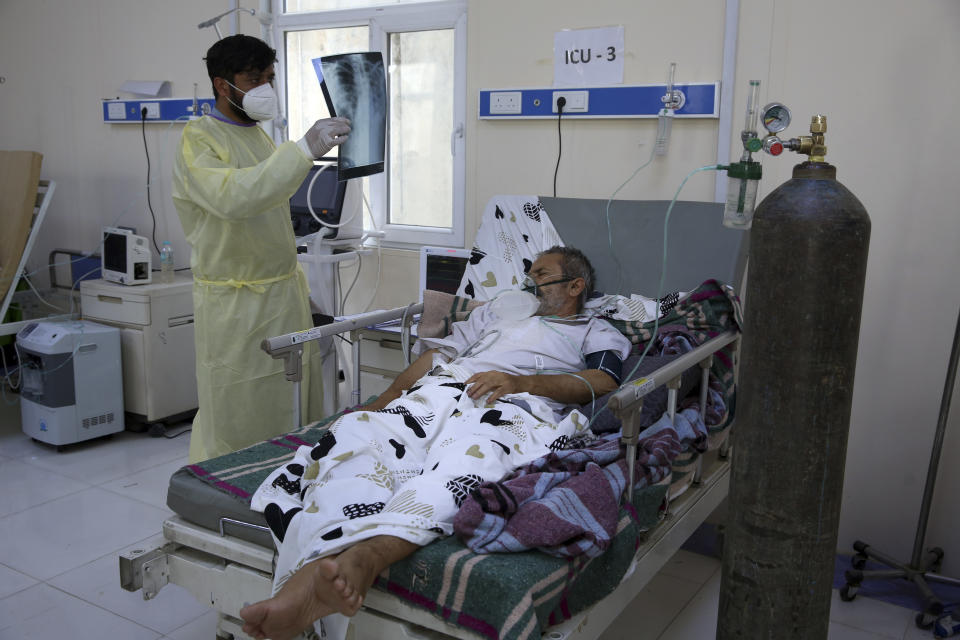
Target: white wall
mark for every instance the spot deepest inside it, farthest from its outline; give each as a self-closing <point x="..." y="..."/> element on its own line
<point x="59" y="58"/>
<point x="881" y="70"/>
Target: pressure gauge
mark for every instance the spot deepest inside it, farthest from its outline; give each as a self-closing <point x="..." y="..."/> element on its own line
<point x="776" y="117"/>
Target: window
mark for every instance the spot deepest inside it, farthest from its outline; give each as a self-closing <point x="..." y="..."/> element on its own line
<point x="299" y="6"/>
<point x="419" y="198"/>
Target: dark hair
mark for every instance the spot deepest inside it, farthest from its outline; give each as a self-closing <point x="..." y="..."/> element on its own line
<point x="575" y="265"/>
<point x="237" y="54"/>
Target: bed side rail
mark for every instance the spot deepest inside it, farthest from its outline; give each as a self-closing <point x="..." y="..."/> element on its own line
<point x="289" y="346"/>
<point x="628" y="401"/>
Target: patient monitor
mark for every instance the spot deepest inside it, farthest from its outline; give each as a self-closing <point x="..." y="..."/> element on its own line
<point x="126" y="257"/>
<point x="442" y="268"/>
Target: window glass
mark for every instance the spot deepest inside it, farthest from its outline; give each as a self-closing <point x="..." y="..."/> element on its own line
<point x="420" y="83"/>
<point x="305" y="103"/>
<point x="419" y="198"/>
<point x="301" y="6"/>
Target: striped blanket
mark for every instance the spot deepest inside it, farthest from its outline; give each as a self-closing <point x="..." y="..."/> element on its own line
<point x="516" y="596"/>
<point x="706" y="312"/>
<point x="567" y="503"/>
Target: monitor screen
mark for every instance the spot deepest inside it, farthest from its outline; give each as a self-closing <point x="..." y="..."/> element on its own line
<point x="326" y="196"/>
<point x="115" y="251"/>
<point x="355" y="87"/>
<point x="442" y="269"/>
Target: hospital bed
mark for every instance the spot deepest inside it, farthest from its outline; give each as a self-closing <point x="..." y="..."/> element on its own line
<point x="222" y="552"/>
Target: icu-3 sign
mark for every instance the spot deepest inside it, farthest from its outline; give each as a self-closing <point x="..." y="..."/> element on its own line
<point x="588" y="57"/>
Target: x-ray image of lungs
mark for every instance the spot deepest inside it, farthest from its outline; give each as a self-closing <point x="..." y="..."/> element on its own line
<point x="355" y="87"/>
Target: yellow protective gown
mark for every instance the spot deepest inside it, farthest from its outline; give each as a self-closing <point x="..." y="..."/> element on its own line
<point x="231" y="189"/>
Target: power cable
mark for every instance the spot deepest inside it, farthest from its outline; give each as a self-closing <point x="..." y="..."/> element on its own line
<point x="146" y="151"/>
<point x="560" y="102"/>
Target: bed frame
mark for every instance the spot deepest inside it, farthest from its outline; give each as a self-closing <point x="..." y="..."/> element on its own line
<point x="226" y="572"/>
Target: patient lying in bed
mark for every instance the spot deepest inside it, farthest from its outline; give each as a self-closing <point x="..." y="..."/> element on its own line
<point x="385" y="480"/>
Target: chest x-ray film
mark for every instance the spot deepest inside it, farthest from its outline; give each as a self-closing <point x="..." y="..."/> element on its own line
<point x="355" y="87"/>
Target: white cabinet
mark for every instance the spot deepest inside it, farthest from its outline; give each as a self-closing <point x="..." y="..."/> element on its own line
<point x="156" y="338"/>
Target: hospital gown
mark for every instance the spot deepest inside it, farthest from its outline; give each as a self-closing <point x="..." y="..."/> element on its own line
<point x="404" y="471"/>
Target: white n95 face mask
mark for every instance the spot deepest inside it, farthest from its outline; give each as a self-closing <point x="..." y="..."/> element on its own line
<point x="260" y="103"/>
<point x="515" y="305"/>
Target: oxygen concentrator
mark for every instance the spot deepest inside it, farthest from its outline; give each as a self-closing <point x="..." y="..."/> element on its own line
<point x="72" y="383"/>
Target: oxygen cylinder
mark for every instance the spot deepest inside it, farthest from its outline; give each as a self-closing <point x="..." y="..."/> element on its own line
<point x="803" y="302"/>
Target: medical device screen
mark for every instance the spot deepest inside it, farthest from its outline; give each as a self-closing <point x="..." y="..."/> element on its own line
<point x="355" y="87"/>
<point x="115" y="251"/>
<point x="445" y="272"/>
<point x="326" y="196"/>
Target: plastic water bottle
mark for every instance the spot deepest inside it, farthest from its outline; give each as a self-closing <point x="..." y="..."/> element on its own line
<point x="166" y="262"/>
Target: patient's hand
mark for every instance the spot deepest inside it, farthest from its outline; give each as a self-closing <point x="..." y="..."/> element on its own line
<point x="496" y="383"/>
<point x="381" y="401"/>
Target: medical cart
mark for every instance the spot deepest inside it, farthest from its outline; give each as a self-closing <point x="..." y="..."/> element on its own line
<point x="156" y="333"/>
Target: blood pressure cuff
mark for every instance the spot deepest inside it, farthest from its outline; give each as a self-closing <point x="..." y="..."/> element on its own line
<point x="607" y="361"/>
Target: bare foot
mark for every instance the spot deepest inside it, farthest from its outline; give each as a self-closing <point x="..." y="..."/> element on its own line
<point x="359" y="566"/>
<point x="356" y="571"/>
<point x="311" y="593"/>
<point x="335" y="584"/>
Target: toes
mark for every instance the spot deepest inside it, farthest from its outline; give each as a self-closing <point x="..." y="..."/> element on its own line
<point x="253" y="614"/>
<point x="328" y="569"/>
<point x="253" y="632"/>
<point x="344" y="588"/>
<point x="353" y="605"/>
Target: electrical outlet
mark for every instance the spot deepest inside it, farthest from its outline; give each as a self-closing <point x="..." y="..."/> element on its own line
<point x="505" y="102"/>
<point x="577" y="101"/>
<point x="153" y="110"/>
<point x="116" y="111"/>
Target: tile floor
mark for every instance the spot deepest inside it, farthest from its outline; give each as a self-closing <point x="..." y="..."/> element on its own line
<point x="65" y="518"/>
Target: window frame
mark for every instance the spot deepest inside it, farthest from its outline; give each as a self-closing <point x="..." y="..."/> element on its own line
<point x="381" y="22"/>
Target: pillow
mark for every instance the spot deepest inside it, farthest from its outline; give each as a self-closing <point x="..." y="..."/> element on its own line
<point x="654" y="403"/>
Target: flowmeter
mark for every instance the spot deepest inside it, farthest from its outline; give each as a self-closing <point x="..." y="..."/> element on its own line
<point x="745" y="175"/>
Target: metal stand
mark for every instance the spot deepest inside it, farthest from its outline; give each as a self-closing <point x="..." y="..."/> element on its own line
<point x="45" y="191"/>
<point x="922" y="567"/>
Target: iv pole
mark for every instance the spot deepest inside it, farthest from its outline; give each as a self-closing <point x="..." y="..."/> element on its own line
<point x="213" y="22"/>
<point x="919" y="570"/>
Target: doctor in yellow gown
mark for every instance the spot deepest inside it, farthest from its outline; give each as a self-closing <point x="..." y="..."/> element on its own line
<point x="231" y="189"/>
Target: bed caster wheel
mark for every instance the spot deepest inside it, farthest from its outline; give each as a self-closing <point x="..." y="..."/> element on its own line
<point x="156" y="429"/>
<point x="935" y="566"/>
<point x="925" y="620"/>
<point x="858" y="562"/>
<point x="848" y="592"/>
